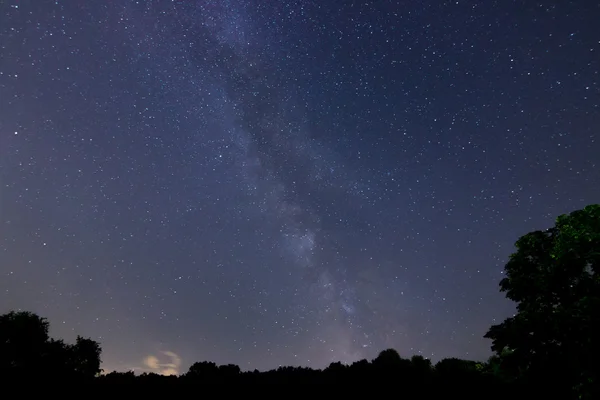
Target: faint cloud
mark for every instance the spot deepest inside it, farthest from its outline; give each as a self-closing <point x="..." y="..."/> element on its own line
<point x="169" y="366"/>
<point x="169" y="371"/>
<point x="152" y="362"/>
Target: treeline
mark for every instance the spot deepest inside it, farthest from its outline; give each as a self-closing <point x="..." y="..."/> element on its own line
<point x="549" y="349"/>
<point x="28" y="353"/>
<point x="416" y="377"/>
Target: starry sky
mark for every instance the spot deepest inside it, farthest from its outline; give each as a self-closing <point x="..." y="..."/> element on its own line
<point x="285" y="182"/>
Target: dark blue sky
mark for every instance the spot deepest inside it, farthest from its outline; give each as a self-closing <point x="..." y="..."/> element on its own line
<point x="266" y="183"/>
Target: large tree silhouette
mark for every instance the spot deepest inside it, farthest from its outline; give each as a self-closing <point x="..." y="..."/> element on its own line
<point x="27" y="350"/>
<point x="553" y="278"/>
<point x="23" y="342"/>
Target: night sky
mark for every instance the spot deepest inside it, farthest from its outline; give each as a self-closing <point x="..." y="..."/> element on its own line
<point x="285" y="182"/>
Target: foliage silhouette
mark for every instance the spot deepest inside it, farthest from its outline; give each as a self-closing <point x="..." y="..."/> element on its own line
<point x="24" y="342"/>
<point x="26" y="350"/>
<point x="548" y="349"/>
<point x="554" y="338"/>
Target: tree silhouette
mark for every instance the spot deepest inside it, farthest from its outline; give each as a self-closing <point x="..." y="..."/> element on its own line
<point x="548" y="349"/>
<point x="553" y="278"/>
<point x="27" y="350"/>
<point x="23" y="341"/>
<point x="203" y="371"/>
<point x="85" y="356"/>
<point x="421" y="364"/>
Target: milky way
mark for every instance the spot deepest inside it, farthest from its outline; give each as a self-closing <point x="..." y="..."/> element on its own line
<point x="285" y="183"/>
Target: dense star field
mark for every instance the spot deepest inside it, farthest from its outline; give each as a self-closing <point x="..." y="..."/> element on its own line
<point x="285" y="183"/>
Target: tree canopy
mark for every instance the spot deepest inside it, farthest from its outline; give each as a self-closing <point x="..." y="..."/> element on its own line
<point x="553" y="278"/>
<point x="27" y="350"/>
